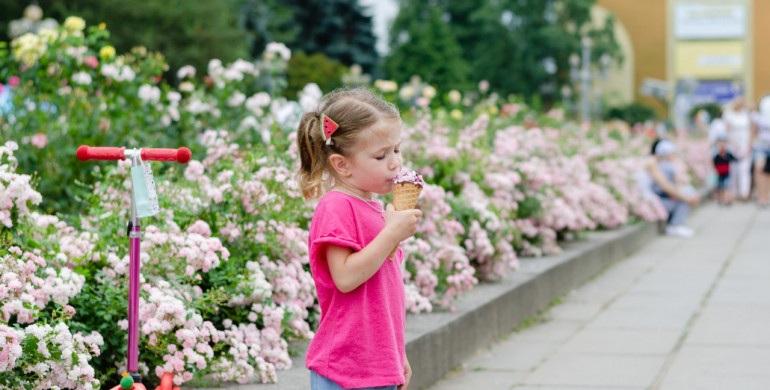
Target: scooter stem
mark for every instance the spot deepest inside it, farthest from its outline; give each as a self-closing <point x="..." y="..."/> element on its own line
<point x="135" y="237"/>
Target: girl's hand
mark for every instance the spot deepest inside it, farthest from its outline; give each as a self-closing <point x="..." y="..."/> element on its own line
<point x="407" y="376"/>
<point x="403" y="224"/>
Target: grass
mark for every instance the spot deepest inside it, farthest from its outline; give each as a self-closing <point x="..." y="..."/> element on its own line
<point x="540" y="318"/>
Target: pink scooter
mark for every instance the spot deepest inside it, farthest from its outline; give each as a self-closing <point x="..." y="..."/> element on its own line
<point x="132" y="379"/>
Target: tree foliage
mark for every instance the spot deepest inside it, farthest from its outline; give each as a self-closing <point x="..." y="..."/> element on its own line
<point x="339" y="29"/>
<point x="519" y="46"/>
<point x="315" y="68"/>
<point x="267" y="21"/>
<point x="185" y="31"/>
<point x="422" y="43"/>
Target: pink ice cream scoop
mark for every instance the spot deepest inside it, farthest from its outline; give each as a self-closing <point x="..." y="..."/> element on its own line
<point x="409" y="177"/>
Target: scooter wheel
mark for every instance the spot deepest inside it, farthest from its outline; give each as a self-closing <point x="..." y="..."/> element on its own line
<point x="167" y="382"/>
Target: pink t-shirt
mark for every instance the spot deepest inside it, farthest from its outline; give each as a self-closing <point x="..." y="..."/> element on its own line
<point x="360" y="341"/>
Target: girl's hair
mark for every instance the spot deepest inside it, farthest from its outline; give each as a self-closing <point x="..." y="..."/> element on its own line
<point x="655" y="145"/>
<point x="354" y="110"/>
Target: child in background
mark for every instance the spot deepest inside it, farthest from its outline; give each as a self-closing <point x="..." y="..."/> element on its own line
<point x="349" y="151"/>
<point x="722" y="160"/>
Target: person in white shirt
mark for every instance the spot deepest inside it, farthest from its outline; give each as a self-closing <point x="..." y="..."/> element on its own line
<point x="738" y="121"/>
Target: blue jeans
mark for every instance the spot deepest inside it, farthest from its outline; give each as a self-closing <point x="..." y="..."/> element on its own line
<point x="317" y="382"/>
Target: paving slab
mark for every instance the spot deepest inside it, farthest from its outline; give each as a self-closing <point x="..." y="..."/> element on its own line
<point x="710" y="367"/>
<point x="597" y="370"/>
<point x="483" y="379"/>
<point x="650" y="319"/>
<point x="657" y="300"/>
<point x="517" y="356"/>
<point x="574" y="311"/>
<point x="550" y="331"/>
<point x="623" y="342"/>
<point x="738" y="325"/>
<point x="526" y="387"/>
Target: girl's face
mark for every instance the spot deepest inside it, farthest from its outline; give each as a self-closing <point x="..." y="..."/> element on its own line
<point x="375" y="159"/>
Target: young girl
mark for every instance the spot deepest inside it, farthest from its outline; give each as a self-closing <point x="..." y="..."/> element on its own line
<point x="349" y="150"/>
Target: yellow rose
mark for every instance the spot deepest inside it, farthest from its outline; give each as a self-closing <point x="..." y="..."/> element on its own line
<point x="74" y="24"/>
<point x="386" y="85"/>
<point x="28" y="48"/>
<point x="406" y="92"/>
<point x="102" y="26"/>
<point x="493" y="110"/>
<point x="107" y="52"/>
<point x="455" y="96"/>
<point x="48" y="35"/>
<point x="456" y="114"/>
<point x="429" y="92"/>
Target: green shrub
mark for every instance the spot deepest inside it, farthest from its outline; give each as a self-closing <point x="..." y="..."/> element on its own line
<point x="713" y="109"/>
<point x="315" y="68"/>
<point x="632" y="113"/>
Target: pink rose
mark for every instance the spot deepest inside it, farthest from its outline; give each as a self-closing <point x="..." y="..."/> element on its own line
<point x="13" y="81"/>
<point x="91" y="62"/>
<point x="39" y="140"/>
<point x="69" y="311"/>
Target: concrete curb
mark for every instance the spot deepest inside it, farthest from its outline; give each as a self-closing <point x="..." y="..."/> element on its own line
<point x="437" y="342"/>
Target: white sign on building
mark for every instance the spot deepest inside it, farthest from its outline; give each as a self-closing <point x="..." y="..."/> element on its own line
<point x="705" y="20"/>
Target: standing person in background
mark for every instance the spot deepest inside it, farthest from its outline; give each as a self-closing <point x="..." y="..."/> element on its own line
<point x="761" y="126"/>
<point x="717" y="128"/>
<point x="722" y="159"/>
<point x="738" y="121"/>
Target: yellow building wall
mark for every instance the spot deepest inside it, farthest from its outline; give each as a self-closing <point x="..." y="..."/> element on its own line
<point x="645" y="22"/>
<point x="709" y="59"/>
<point x="761" y="37"/>
<point x="618" y="87"/>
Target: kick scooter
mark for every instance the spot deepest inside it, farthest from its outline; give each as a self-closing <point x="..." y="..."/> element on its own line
<point x="132" y="380"/>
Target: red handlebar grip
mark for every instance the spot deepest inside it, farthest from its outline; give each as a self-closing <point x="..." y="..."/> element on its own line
<point x="181" y="155"/>
<point x="86" y="153"/>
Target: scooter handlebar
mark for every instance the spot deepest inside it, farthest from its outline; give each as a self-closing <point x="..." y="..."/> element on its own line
<point x="86" y="153"/>
<point x="180" y="155"/>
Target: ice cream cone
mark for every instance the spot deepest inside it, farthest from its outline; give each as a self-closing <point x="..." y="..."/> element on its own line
<point x="405" y="197"/>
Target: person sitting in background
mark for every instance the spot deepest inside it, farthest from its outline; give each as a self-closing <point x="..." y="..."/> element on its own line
<point x="677" y="201"/>
<point x="722" y="160"/>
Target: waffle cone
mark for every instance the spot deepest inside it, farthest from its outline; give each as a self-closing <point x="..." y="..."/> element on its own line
<point x="405" y="197"/>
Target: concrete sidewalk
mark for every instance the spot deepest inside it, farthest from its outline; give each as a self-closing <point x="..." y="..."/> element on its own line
<point x="678" y="314"/>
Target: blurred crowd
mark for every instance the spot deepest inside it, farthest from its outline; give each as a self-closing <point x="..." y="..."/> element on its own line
<point x="740" y="142"/>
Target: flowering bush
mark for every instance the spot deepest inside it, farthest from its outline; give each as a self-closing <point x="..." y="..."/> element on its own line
<point x="225" y="277"/>
<point x="37" y="348"/>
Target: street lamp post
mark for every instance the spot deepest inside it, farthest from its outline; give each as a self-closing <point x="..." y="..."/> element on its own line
<point x="585" y="76"/>
<point x="582" y="74"/>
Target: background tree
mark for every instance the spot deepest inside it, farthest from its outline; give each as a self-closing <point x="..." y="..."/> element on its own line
<point x="422" y="43"/>
<point x="340" y="29"/>
<point x="185" y="31"/>
<point x="315" y="68"/>
<point x="519" y="46"/>
<point x="267" y="21"/>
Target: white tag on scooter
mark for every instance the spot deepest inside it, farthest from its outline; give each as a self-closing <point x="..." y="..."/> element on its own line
<point x="141" y="192"/>
<point x="150" y="180"/>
